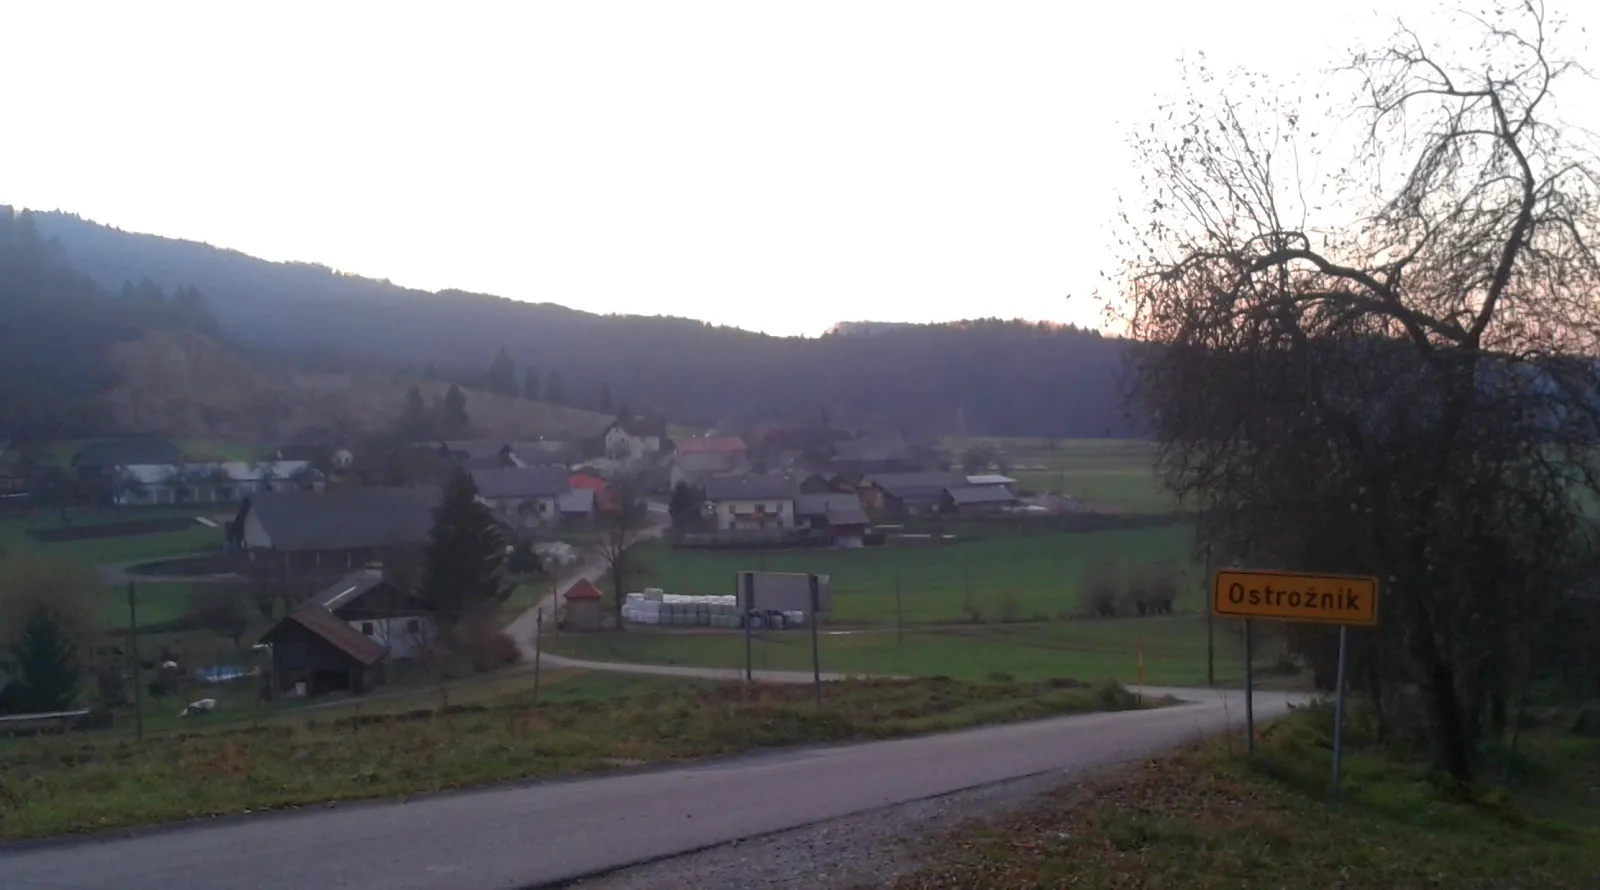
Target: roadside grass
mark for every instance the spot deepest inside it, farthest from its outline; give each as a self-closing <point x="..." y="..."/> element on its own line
<point x="1008" y="576"/>
<point x="1174" y="650"/>
<point x="1204" y="819"/>
<point x="85" y="783"/>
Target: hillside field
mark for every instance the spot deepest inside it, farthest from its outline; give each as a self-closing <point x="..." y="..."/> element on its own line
<point x="1112" y="473"/>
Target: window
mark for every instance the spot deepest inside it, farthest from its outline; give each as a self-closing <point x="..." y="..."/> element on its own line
<point x="731" y="511"/>
<point x="761" y="508"/>
<point x="366" y="628"/>
<point x="413" y="626"/>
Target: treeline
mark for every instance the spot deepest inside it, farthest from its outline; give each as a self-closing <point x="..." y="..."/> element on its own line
<point x="986" y="377"/>
<point x="57" y="325"/>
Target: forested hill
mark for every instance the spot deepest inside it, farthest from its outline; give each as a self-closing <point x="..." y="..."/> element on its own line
<point x="990" y="377"/>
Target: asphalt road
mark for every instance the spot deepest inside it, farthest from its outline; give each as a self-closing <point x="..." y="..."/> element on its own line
<point x="515" y="837"/>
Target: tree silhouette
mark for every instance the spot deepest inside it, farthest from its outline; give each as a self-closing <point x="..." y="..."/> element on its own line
<point x="606" y="407"/>
<point x="456" y="421"/>
<point x="465" y="555"/>
<point x="530" y="385"/>
<point x="503" y="374"/>
<point x="47" y="661"/>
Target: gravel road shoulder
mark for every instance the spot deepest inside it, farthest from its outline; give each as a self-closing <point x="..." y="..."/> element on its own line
<point x="866" y="850"/>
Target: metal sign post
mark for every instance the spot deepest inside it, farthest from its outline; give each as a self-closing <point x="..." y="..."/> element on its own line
<point x="1343" y="600"/>
<point x="1338" y="712"/>
<point x="745" y="583"/>
<point x="1249" y="691"/>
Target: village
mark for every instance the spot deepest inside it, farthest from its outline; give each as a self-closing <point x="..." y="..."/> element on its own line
<point x="330" y="540"/>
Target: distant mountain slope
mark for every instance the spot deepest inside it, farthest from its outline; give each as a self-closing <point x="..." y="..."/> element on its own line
<point x="989" y="378"/>
<point x="184" y="384"/>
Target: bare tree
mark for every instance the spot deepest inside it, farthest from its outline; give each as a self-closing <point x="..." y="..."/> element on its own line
<point x="1393" y="370"/>
<point x="619" y="532"/>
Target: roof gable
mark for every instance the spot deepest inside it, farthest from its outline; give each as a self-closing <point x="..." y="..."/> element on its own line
<point x="336" y="633"/>
<point x="584" y="589"/>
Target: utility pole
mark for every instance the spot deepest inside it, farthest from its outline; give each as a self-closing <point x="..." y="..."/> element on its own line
<point x="133" y="643"/>
<point x="899" y="614"/>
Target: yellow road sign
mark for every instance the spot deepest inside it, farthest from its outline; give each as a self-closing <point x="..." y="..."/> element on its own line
<point x="1327" y="599"/>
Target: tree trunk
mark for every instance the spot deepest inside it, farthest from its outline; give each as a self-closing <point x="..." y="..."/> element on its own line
<point x="1375" y="687"/>
<point x="1452" y="746"/>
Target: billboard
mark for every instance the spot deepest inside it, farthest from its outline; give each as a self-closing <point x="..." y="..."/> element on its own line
<point x="783" y="592"/>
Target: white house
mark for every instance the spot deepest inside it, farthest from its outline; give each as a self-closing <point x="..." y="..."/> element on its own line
<point x="751" y="502"/>
<point x="381" y="612"/>
<point x="631" y="441"/>
<point x="209" y="483"/>
<point x="523" y="496"/>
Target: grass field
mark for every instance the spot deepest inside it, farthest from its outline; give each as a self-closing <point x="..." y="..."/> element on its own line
<point x="1007" y="576"/>
<point x="1174" y="650"/>
<point x="85" y="783"/>
<point x="1114" y="472"/>
<point x="158" y="601"/>
<point x="1206" y="820"/>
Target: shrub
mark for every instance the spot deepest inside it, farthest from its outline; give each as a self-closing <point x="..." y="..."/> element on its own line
<point x="1114" y="697"/>
<point x="1097" y="592"/>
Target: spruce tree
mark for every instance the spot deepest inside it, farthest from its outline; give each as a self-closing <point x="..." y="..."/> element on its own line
<point x="503" y="374"/>
<point x="465" y="555"/>
<point x="606" y="407"/>
<point x="456" y="420"/>
<point x="530" y="385"/>
<point x="47" y="662"/>
<point x="555" y="390"/>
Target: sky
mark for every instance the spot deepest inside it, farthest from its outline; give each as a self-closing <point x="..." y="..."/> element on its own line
<point x="778" y="167"/>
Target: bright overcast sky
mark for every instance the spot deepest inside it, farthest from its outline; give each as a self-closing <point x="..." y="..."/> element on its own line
<point x="776" y="167"/>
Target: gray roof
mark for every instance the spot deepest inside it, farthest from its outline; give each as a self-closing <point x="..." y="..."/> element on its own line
<point x="521" y="482"/>
<point x="112" y="452"/>
<point x="742" y="488"/>
<point x="348" y="589"/>
<point x="346" y="518"/>
<point x="821" y="504"/>
<point x="918" y="485"/>
<point x="981" y="494"/>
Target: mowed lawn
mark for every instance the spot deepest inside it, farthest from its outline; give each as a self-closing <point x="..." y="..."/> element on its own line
<point x="158" y="601"/>
<point x="1007" y="577"/>
<point x="1093" y="650"/>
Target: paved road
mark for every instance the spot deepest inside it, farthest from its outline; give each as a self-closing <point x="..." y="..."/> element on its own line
<point x="516" y="837"/>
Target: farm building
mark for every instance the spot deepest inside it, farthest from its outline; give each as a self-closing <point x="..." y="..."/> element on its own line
<point x="839" y="516"/>
<point x="210" y="483"/>
<point x="978" y="499"/>
<point x="298" y="534"/>
<point x="316" y="653"/>
<point x="909" y="494"/>
<point x="382" y="612"/>
<point x="523" y="496"/>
